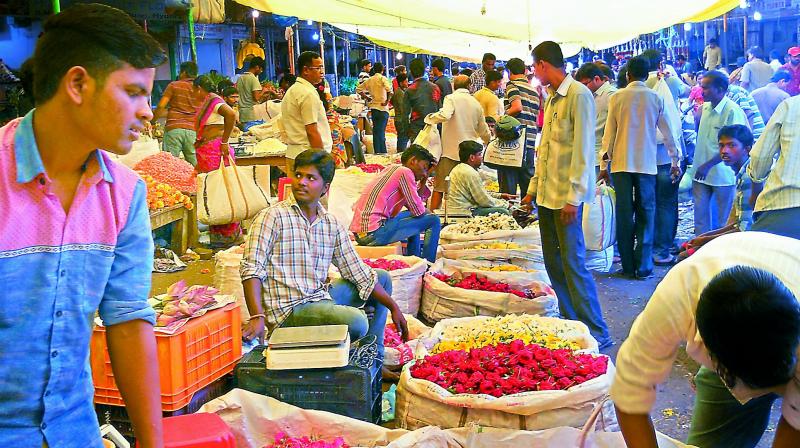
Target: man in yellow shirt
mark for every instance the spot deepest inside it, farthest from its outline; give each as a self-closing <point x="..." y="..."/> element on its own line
<point x="492" y="107"/>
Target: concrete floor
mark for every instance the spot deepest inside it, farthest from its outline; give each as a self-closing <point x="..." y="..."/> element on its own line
<point x="622" y="300"/>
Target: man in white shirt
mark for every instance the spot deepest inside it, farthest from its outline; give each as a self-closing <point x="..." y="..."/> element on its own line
<point x="775" y="60"/>
<point x="462" y="118"/>
<point x="712" y="55"/>
<point x="667" y="186"/>
<point x="771" y="95"/>
<point x="593" y="78"/>
<point x="467" y="194"/>
<point x="302" y="113"/>
<point x="756" y="73"/>
<point x="562" y="182"/>
<point x="377" y="89"/>
<point x="734" y="306"/>
<point x="630" y="147"/>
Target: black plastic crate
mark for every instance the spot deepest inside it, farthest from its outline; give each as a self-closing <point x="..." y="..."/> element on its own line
<point x="117" y="416"/>
<point x="350" y="391"/>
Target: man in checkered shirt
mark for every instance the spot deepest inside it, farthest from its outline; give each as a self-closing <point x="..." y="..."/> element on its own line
<point x="290" y="248"/>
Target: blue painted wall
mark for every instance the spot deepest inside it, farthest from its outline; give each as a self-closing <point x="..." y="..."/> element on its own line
<point x="17" y="44"/>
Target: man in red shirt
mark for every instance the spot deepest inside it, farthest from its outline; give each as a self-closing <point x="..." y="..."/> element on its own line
<point x="180" y="106"/>
<point x="793" y="67"/>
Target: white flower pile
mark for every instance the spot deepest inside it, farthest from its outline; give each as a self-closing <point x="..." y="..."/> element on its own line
<point x="483" y="224"/>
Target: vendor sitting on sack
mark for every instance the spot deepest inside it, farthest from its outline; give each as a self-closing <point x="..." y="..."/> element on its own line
<point x="734" y="306"/>
<point x="291" y="246"/>
<point x="378" y="219"/>
<point x="466" y="194"/>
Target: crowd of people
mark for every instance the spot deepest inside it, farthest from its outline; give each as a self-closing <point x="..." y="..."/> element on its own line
<point x="77" y="237"/>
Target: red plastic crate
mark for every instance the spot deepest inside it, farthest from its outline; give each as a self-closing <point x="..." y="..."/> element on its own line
<point x="202" y="430"/>
<point x="205" y="349"/>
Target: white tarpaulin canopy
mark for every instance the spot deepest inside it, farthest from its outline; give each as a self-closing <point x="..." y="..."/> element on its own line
<point x="464" y="29"/>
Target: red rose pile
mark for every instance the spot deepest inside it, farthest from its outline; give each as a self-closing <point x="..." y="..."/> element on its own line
<point x="284" y="441"/>
<point x="386" y="265"/>
<point x="370" y="167"/>
<point x="170" y="170"/>
<point x="472" y="281"/>
<point x="507" y="369"/>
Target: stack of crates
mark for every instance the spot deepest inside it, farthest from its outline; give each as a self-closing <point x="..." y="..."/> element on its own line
<point x="193" y="365"/>
<point x="117" y="416"/>
<point x="350" y="391"/>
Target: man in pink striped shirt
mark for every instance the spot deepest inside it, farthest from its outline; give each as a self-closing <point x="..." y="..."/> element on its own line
<point x="378" y="219"/>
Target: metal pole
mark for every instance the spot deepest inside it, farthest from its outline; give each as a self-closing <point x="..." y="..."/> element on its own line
<point x="335" y="59"/>
<point x="347" y="57"/>
<point x="321" y="44"/>
<point x="745" y="35"/>
<point x="297" y="39"/>
<point x="56" y="6"/>
<point x="725" y="40"/>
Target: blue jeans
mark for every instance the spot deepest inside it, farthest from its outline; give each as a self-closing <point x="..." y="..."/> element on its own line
<point x="712" y="206"/>
<point x="636" y="213"/>
<point x="405" y="227"/>
<point x="345" y="309"/>
<point x="666" y="212"/>
<point x="720" y="421"/>
<point x="782" y="222"/>
<point x="402" y="142"/>
<point x="379" y="121"/>
<point x="486" y="211"/>
<point x="564" y="258"/>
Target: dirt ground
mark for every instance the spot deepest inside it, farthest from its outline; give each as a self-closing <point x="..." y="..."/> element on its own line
<point x="622" y="300"/>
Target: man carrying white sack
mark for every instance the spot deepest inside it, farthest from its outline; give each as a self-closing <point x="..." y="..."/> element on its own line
<point x="734" y="305"/>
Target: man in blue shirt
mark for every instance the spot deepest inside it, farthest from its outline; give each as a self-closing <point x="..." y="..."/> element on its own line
<point x="76" y="234"/>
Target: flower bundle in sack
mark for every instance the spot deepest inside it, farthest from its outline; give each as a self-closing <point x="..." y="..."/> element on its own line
<point x="406" y="274"/>
<point x="472" y="281"/>
<point x="527" y="254"/>
<point x="509" y="385"/>
<point x="451" y="293"/>
<point x="397" y="353"/>
<point x="284" y="441"/>
<point x="476" y="332"/>
<point x="514" y="271"/>
<point x="508" y="369"/>
<point x="494" y="227"/>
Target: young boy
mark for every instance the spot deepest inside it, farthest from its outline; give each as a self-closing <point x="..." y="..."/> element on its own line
<point x="289" y="249"/>
<point x="735" y="142"/>
<point x="76" y="234"/>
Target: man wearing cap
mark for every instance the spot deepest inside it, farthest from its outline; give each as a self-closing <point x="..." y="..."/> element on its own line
<point x="793" y="67"/>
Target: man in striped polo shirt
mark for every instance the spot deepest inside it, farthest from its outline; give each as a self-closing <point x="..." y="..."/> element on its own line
<point x="180" y="106"/>
<point x="521" y="102"/>
<point x="378" y="221"/>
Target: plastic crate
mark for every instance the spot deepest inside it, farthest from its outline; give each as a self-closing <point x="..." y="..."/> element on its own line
<point x="201" y="430"/>
<point x="202" y="351"/>
<point x="350" y="391"/>
<point x="117" y="416"/>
